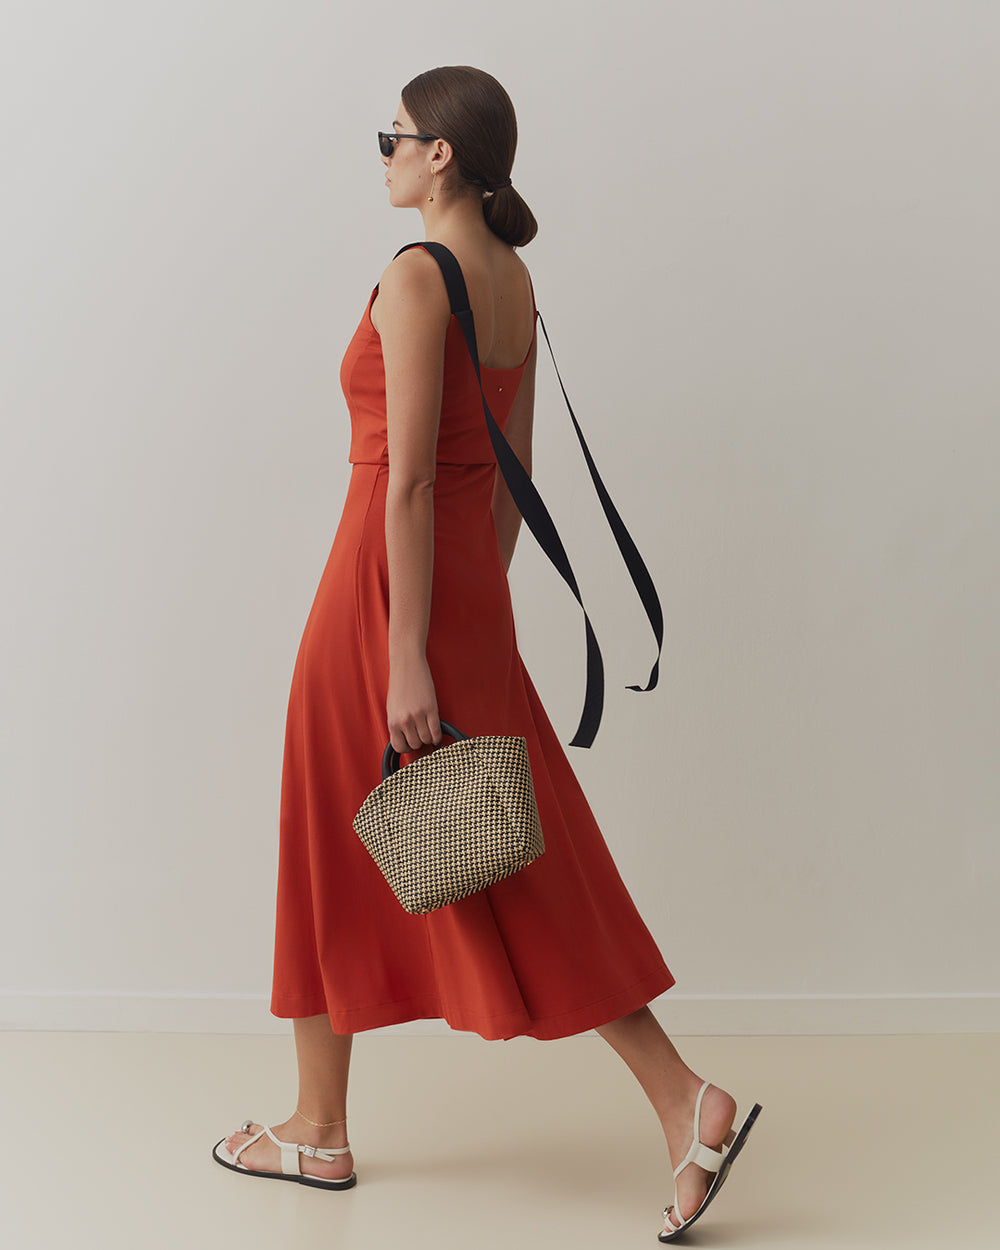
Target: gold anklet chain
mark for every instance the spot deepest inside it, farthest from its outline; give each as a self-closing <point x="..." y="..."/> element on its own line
<point x="315" y="1124"/>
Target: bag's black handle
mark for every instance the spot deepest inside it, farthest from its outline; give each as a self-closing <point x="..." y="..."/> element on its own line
<point x="536" y="515"/>
<point x="390" y="758"/>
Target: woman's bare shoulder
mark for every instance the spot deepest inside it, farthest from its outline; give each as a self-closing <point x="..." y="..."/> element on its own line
<point x="411" y="284"/>
<point x="414" y="273"/>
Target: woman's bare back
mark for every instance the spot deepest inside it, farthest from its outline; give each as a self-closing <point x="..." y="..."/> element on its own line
<point x="500" y="294"/>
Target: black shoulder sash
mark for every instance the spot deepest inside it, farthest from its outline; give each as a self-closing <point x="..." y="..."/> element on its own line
<point x="536" y="515"/>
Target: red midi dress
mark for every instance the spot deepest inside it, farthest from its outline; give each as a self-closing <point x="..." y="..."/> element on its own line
<point x="553" y="950"/>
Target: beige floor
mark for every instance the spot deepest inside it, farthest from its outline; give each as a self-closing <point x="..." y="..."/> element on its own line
<point x="863" y="1142"/>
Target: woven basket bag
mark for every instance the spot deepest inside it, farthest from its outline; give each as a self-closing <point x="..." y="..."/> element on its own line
<point x="452" y="822"/>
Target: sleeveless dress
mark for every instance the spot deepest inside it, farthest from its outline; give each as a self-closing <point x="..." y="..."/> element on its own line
<point x="555" y="949"/>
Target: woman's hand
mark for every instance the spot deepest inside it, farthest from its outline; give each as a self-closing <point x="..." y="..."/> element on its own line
<point x="411" y="705"/>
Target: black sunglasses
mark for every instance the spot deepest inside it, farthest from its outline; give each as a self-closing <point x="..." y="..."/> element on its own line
<point x="387" y="143"/>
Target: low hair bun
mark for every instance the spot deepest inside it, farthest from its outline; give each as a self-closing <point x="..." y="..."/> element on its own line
<point x="470" y="109"/>
<point x="509" y="217"/>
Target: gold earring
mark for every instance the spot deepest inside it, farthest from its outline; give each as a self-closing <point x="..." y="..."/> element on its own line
<point x="430" y="198"/>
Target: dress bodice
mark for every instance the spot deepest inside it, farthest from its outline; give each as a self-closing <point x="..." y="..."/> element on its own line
<point x="462" y="434"/>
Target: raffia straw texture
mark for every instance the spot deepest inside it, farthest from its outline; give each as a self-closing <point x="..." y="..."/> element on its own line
<point x="452" y="822"/>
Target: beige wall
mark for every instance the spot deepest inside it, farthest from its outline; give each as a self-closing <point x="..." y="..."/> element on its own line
<point x="768" y="262"/>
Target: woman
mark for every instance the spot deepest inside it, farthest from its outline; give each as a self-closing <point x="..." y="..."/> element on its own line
<point x="413" y="615"/>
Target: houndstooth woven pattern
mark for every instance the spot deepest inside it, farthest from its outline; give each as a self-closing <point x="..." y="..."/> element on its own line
<point x="452" y="822"/>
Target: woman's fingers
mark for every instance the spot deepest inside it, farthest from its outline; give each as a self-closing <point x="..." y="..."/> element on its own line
<point x="416" y="732"/>
<point x="411" y="705"/>
<point x="400" y="739"/>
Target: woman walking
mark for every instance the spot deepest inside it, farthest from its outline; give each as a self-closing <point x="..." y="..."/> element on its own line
<point x="412" y="621"/>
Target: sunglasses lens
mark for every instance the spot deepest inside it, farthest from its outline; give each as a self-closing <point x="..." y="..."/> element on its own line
<point x="385" y="144"/>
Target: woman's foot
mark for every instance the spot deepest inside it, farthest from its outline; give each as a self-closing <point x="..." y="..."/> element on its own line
<point x="264" y="1155"/>
<point x="718" y="1111"/>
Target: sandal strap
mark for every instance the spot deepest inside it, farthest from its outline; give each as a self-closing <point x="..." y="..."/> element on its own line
<point x="704" y="1156"/>
<point x="239" y="1149"/>
<point x="328" y="1156"/>
<point x="289" y="1155"/>
<point x="668" y="1225"/>
<point x="700" y="1154"/>
<point x="290" y="1152"/>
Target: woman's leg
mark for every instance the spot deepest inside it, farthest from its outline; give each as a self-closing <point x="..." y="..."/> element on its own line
<point x="672" y="1088"/>
<point x="324" y="1060"/>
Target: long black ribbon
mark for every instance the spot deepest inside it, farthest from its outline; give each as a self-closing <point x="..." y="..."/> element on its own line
<point x="641" y="579"/>
<point x="536" y="515"/>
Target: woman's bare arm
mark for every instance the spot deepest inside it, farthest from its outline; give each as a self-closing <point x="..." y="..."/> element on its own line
<point x="413" y="314"/>
<point x="506" y="516"/>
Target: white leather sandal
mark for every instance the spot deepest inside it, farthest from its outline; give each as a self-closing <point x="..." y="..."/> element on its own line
<point x="717" y="1161"/>
<point x="290" y="1152"/>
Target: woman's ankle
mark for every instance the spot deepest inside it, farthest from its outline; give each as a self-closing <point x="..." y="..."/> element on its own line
<point x="677" y="1100"/>
<point x="324" y="1135"/>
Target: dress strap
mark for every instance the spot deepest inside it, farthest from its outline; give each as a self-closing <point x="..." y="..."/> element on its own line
<point x="536" y="515"/>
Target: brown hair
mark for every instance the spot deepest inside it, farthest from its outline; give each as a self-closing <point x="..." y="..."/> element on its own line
<point x="468" y="108"/>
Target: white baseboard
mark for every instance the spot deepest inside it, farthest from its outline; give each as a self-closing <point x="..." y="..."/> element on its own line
<point x="691" y="1015"/>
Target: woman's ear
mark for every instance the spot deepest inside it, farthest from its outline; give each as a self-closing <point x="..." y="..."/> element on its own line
<point x="442" y="155"/>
